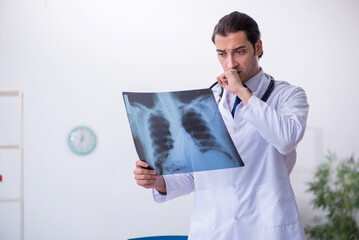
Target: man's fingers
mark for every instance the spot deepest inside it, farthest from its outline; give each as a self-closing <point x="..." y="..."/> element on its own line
<point x="232" y="75"/>
<point x="143" y="171"/>
<point x="222" y="81"/>
<point x="140" y="163"/>
<point x="141" y="168"/>
<point x="145" y="177"/>
<point x="231" y="72"/>
<point x="222" y="77"/>
<point x="146" y="183"/>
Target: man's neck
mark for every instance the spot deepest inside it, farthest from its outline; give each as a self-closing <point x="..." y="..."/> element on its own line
<point x="256" y="72"/>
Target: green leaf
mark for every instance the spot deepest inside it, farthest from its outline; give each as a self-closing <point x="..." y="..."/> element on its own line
<point x="335" y="190"/>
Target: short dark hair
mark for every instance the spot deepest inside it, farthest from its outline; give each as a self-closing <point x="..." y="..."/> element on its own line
<point x="237" y="21"/>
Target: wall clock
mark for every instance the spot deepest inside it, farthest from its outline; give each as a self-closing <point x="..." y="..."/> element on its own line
<point x="81" y="140"/>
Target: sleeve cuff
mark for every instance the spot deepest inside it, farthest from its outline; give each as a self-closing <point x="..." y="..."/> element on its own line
<point x="176" y="185"/>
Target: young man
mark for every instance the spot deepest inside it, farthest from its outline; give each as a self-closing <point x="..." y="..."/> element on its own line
<point x="266" y="123"/>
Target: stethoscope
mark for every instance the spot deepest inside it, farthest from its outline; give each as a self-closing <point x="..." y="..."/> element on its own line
<point x="263" y="98"/>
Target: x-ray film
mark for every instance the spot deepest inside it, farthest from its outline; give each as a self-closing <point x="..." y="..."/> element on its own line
<point x="178" y="132"/>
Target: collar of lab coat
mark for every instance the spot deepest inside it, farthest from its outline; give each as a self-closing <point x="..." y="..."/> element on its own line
<point x="254" y="82"/>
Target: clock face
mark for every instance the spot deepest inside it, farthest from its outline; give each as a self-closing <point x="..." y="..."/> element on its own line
<point x="82" y="140"/>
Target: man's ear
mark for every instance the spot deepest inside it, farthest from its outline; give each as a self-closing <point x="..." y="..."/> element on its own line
<point x="259" y="48"/>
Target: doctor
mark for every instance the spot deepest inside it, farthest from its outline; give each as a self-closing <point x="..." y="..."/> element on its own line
<point x="255" y="201"/>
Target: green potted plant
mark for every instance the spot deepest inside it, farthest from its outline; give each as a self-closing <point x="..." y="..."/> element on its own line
<point x="336" y="191"/>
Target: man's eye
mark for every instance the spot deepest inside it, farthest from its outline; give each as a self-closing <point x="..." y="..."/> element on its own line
<point x="239" y="52"/>
<point x="221" y="54"/>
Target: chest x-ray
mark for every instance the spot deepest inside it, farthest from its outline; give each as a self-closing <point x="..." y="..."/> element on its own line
<point x="177" y="132"/>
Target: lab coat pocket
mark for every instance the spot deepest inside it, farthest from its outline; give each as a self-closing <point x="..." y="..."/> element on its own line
<point x="203" y="213"/>
<point x="276" y="203"/>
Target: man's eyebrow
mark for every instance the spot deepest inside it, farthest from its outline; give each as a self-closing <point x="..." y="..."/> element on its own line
<point x="237" y="48"/>
<point x="234" y="49"/>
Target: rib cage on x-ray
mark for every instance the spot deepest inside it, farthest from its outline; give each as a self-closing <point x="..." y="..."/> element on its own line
<point x="200" y="131"/>
<point x="162" y="141"/>
<point x="180" y="131"/>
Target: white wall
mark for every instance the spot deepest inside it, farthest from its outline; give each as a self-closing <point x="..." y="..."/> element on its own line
<point x="73" y="59"/>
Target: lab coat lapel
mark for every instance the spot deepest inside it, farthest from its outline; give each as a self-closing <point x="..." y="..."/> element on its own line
<point x="225" y="110"/>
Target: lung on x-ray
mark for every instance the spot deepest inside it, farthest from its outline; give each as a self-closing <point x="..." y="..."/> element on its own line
<point x="178" y="132"/>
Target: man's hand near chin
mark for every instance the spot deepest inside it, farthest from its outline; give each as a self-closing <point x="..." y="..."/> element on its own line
<point x="231" y="81"/>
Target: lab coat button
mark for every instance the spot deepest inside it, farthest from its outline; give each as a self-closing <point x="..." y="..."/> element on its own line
<point x="236" y="219"/>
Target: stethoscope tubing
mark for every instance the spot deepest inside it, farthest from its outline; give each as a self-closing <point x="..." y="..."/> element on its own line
<point x="265" y="96"/>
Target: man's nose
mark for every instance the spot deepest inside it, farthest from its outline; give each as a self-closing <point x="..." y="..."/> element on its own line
<point x="231" y="63"/>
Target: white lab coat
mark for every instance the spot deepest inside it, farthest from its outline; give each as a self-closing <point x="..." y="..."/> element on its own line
<point x="255" y="201"/>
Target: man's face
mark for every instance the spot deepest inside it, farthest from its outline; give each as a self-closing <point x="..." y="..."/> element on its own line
<point x="236" y="52"/>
